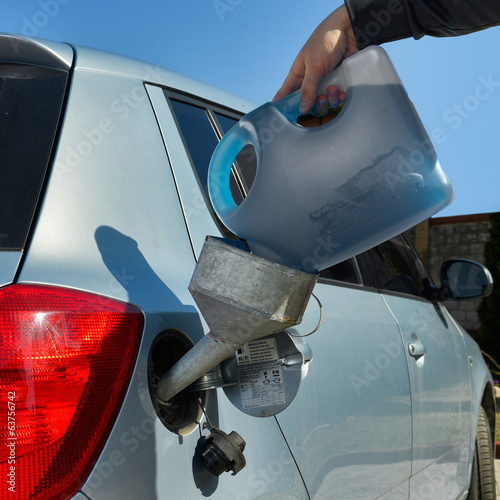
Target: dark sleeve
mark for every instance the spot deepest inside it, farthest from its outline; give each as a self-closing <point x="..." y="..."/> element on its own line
<point x="377" y="21"/>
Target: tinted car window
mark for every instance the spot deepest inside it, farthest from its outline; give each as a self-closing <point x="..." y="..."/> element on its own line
<point x="344" y="271"/>
<point x="31" y="99"/>
<point x="201" y="128"/>
<point x="225" y="122"/>
<point x="393" y="266"/>
<point x="199" y="137"/>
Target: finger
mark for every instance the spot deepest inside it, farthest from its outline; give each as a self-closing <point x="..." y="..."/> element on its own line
<point x="310" y="87"/>
<point x="289" y="86"/>
<point x="322" y="106"/>
<point x="292" y="82"/>
<point x="333" y="94"/>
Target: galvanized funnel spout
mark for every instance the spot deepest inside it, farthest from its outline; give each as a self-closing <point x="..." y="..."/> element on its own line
<point x="242" y="297"/>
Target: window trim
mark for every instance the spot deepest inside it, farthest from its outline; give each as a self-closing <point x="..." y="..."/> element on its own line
<point x="201" y="103"/>
<point x="211" y="110"/>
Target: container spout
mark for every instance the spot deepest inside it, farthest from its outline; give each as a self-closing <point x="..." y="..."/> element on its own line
<point x="242" y="297"/>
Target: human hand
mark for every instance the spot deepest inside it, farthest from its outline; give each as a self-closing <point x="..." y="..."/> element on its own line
<point x="327" y="108"/>
<point x="331" y="42"/>
<point x="334" y="97"/>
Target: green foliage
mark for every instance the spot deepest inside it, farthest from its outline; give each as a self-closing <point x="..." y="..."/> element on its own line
<point x="489" y="309"/>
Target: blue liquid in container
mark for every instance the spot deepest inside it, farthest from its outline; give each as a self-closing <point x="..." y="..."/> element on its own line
<point x="324" y="194"/>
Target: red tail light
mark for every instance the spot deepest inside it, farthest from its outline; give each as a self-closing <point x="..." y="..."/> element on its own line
<point x="66" y="358"/>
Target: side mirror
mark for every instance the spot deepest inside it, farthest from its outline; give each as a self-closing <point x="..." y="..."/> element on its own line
<point x="464" y="279"/>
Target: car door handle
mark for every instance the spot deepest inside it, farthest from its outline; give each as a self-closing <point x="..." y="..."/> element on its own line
<point x="416" y="349"/>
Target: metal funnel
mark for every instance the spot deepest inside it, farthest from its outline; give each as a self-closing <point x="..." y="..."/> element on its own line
<point x="242" y="297"/>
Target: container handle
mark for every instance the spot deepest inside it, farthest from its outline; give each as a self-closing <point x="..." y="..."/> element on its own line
<point x="289" y="106"/>
<point x="219" y="170"/>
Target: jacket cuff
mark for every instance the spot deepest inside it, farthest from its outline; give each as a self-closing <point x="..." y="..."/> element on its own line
<point x="378" y="21"/>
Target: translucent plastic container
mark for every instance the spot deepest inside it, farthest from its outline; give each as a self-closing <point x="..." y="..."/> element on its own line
<point x="321" y="195"/>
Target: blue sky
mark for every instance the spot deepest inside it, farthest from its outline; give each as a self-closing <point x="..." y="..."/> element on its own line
<point x="247" y="47"/>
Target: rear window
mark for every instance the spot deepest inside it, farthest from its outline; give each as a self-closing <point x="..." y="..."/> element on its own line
<point x="31" y="99"/>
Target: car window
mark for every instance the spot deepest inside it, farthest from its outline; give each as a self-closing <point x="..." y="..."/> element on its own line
<point x="202" y="127"/>
<point x="225" y="122"/>
<point x="393" y="266"/>
<point x="344" y="271"/>
<point x="199" y="137"/>
<point x="31" y="100"/>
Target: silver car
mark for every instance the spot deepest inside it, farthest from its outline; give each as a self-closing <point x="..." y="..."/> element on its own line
<point x="103" y="215"/>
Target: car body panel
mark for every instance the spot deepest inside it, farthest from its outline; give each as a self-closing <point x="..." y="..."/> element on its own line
<point x="124" y="208"/>
<point x="9" y="262"/>
<point x="198" y="219"/>
<point x="441" y="396"/>
<point x="142" y="459"/>
<point x="80" y="496"/>
<point x="481" y="385"/>
<point x="104" y="62"/>
<point x="350" y="425"/>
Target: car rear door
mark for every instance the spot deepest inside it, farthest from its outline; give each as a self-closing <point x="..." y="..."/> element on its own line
<point x="350" y="425"/>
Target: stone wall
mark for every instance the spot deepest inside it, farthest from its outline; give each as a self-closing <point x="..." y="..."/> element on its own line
<point x="445" y="238"/>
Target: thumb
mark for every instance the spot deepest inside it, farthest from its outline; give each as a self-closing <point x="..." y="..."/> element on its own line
<point x="292" y="82"/>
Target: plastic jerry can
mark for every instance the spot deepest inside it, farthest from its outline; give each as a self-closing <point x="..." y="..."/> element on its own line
<point x="324" y="194"/>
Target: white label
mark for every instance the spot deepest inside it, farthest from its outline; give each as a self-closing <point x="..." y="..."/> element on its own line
<point x="257" y="351"/>
<point x="261" y="385"/>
